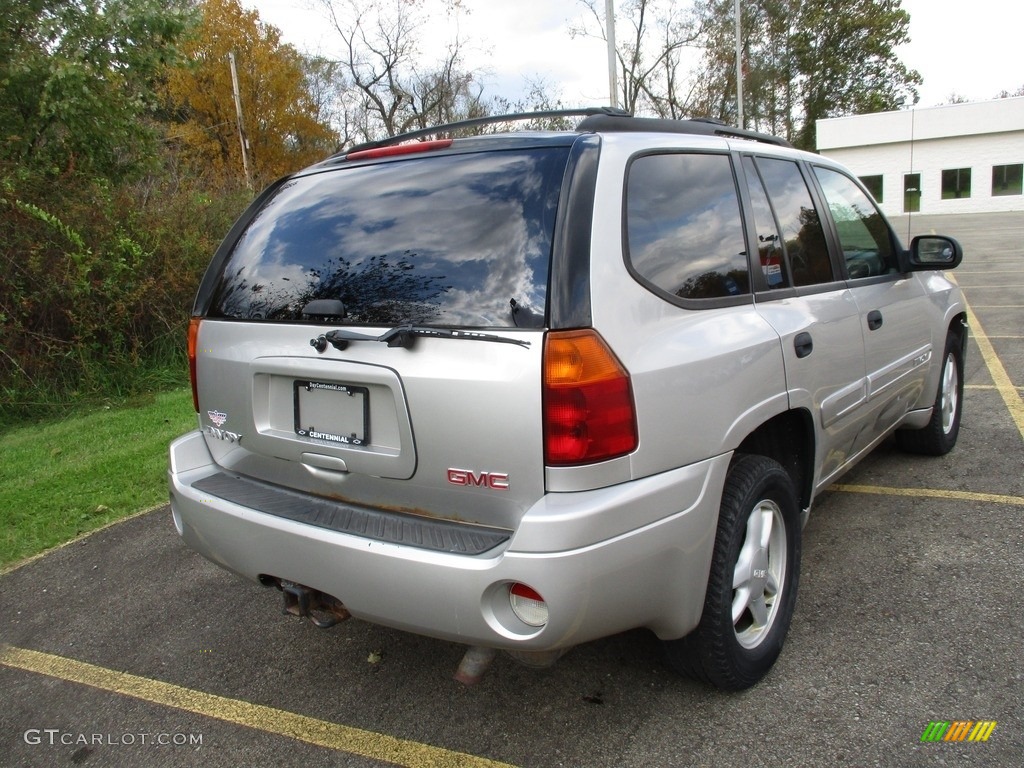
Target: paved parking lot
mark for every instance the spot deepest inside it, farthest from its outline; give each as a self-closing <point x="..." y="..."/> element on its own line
<point x="125" y="648"/>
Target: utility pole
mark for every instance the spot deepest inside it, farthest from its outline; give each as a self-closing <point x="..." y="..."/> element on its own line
<point x="609" y="26"/>
<point x="739" y="67"/>
<point x="241" y="129"/>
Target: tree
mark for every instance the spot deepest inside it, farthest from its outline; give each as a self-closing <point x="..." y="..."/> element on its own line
<point x="77" y="81"/>
<point x="1004" y="94"/>
<point x="650" y="56"/>
<point x="846" y="61"/>
<point x="804" y="60"/>
<point x="285" y="126"/>
<point x="389" y="90"/>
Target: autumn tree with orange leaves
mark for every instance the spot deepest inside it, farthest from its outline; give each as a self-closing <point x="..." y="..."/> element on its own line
<point x="282" y="122"/>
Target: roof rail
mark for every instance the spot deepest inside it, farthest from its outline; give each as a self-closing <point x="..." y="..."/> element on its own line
<point x="476" y="122"/>
<point x="705" y="126"/>
<point x="595" y="119"/>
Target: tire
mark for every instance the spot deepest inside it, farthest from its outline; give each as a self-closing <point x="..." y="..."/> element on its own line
<point x="755" y="570"/>
<point x="939" y="437"/>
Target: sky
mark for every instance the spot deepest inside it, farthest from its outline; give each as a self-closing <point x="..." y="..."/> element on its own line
<point x="970" y="48"/>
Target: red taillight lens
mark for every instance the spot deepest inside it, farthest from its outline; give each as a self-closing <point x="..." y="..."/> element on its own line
<point x="193" y="336"/>
<point x="588" y="401"/>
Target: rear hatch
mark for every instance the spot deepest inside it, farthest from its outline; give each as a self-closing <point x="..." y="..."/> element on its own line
<point x="373" y="332"/>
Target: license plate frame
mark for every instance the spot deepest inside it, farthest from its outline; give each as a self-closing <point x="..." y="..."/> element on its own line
<point x="342" y="410"/>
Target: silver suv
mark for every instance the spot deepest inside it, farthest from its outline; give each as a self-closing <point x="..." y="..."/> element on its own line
<point x="527" y="389"/>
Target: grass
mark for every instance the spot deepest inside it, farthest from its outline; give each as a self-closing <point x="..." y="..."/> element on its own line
<point x="63" y="478"/>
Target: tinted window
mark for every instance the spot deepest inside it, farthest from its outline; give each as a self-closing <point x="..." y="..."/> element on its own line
<point x="452" y="240"/>
<point x="802" y="235"/>
<point x="769" y="241"/>
<point x="683" y="225"/>
<point x="863" y="233"/>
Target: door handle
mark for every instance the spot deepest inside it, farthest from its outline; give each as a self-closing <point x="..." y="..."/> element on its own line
<point x="803" y="344"/>
<point x="874" y="320"/>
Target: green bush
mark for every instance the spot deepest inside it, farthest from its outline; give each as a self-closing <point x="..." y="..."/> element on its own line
<point x="96" y="285"/>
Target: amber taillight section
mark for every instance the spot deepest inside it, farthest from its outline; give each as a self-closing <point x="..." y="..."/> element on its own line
<point x="589" y="413"/>
<point x="193" y="336"/>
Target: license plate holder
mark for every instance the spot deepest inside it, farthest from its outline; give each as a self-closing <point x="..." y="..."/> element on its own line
<point x="332" y="412"/>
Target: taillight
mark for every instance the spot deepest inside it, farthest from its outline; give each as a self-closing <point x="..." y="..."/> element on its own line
<point x="193" y="336"/>
<point x="589" y="413"/>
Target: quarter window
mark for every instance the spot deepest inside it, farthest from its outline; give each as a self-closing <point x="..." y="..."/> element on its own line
<point x="683" y="224"/>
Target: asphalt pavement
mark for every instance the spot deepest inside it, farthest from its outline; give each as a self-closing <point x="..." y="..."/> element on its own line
<point x="126" y="648"/>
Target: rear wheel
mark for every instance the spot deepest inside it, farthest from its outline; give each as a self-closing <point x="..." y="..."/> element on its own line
<point x="939" y="437"/>
<point x="752" y="586"/>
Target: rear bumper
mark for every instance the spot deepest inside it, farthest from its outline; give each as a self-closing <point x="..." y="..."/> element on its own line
<point x="653" y="576"/>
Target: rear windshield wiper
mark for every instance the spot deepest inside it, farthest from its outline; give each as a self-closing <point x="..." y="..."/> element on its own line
<point x="405" y="335"/>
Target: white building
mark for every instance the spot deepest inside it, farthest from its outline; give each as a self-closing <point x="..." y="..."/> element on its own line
<point x="957" y="158"/>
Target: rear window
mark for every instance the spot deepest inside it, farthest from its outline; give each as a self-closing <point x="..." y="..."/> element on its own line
<point x="453" y="240"/>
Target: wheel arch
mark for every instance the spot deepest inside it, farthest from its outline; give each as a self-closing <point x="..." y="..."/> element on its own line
<point x="958" y="328"/>
<point x="788" y="438"/>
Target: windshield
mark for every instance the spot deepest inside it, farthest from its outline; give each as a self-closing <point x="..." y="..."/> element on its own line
<point x="452" y="240"/>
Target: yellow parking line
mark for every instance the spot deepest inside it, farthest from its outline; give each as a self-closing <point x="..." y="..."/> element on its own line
<point x="354" y="741"/>
<point x="929" y="493"/>
<point x="985" y="386"/>
<point x="1012" y="398"/>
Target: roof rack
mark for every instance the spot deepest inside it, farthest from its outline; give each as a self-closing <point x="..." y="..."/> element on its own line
<point x="607" y="119"/>
<point x="476" y="122"/>
<point x="704" y="126"/>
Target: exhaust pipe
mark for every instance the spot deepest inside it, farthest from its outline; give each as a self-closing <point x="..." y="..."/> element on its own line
<point x="477" y="659"/>
<point x="473" y="665"/>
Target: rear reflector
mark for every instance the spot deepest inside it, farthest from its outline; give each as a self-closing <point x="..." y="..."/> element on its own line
<point x="528" y="605"/>
<point x="589" y="413"/>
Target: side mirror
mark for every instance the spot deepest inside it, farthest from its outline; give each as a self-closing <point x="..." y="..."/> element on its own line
<point x="933" y="252"/>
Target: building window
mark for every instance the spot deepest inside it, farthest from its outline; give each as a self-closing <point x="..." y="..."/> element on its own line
<point x="956" y="183"/>
<point x="874" y="186"/>
<point x="1006" y="179"/>
<point x="911" y="192"/>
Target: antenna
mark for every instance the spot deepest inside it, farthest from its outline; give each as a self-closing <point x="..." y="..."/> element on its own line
<point x="910" y="213"/>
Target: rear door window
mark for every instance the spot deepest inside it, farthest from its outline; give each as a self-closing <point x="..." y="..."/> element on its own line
<point x="453" y="240"/>
<point x="771" y="254"/>
<point x="802" y="235"/>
